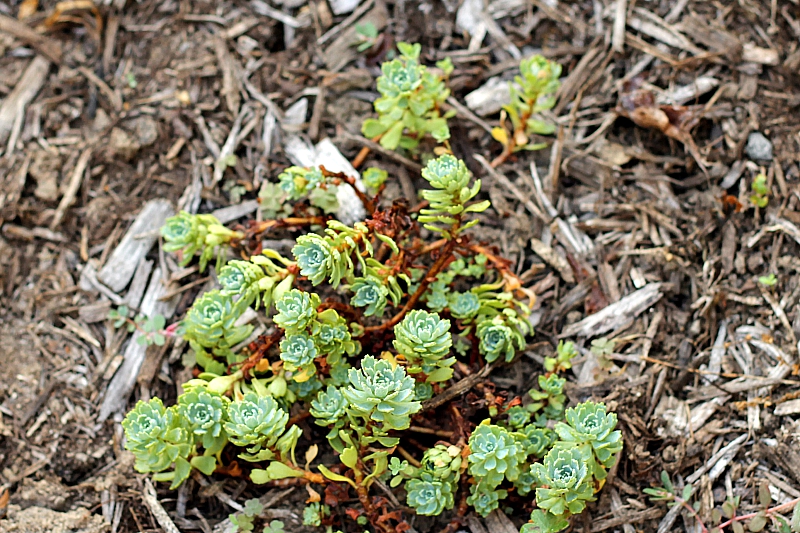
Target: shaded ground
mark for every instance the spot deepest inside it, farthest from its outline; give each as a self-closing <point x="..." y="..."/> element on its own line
<point x="151" y="96"/>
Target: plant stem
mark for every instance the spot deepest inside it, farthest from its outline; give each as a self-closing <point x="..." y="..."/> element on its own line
<point x="430" y="276"/>
<point x="364" y="152"/>
<point x="369" y="205"/>
<point x="777" y="509"/>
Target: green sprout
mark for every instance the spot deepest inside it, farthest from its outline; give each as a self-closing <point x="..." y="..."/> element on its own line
<point x="367" y="36"/>
<point x="760" y="196"/>
<point x="151" y="329"/>
<point x="565" y="353"/>
<point x="538" y="83"/>
<point x="410" y="104"/>
<point x="768" y="281"/>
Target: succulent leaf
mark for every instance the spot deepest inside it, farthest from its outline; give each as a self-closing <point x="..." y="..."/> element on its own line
<point x="381" y="393"/>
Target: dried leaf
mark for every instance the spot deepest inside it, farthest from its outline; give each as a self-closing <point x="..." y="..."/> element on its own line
<point x="764" y="496"/>
<point x="27" y="8"/>
<point x="313" y="496"/>
<point x="676" y="122"/>
<point x="311" y="454"/>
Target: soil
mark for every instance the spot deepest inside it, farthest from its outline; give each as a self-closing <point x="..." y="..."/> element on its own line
<point x="652" y="192"/>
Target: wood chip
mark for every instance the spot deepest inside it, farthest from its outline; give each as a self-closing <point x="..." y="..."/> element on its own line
<point x="150" y="499"/>
<point x="498" y="522"/>
<point x="120" y="387"/>
<point x="616" y="315"/>
<point x="341" y="51"/>
<point x="26" y="89"/>
<point x="45" y="45"/>
<point x="552" y="258"/>
<point x="792" y="407"/>
<point x="135" y="244"/>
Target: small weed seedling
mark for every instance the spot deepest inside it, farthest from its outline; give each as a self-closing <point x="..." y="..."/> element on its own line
<point x="760" y="196"/>
<point x="725" y="516"/>
<point x="151" y="328"/>
<point x="537" y="82"/>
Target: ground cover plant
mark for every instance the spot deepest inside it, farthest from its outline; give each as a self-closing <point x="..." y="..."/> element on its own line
<point x="371" y="325"/>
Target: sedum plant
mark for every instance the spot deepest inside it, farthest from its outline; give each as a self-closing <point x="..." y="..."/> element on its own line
<point x="190" y="234"/>
<point x="532" y="92"/>
<point x="366" y="330"/>
<point x="409" y="107"/>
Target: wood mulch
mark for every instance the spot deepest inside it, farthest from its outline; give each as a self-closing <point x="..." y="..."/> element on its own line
<point x="634" y="225"/>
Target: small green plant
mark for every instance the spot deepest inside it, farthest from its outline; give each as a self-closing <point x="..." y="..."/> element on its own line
<point x="768" y="281"/>
<point x="189" y="234"/>
<point x="760" y="196"/>
<point x="368" y="325"/>
<point x="367" y="36"/>
<point x="565" y="353"/>
<point x="243" y="522"/>
<point x="533" y="93"/>
<point x="726" y="515"/>
<point x="151" y="328"/>
<point x="410" y="104"/>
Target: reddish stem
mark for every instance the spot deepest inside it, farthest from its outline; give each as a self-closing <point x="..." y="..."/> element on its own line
<point x="430" y="276"/>
<point x="768" y="512"/>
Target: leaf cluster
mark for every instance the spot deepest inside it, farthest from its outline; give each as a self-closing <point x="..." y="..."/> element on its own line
<point x="532" y="92"/>
<point x="204" y="234"/>
<point x="410" y="104"/>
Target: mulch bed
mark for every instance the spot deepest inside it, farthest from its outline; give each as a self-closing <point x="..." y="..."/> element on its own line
<point x="635" y="224"/>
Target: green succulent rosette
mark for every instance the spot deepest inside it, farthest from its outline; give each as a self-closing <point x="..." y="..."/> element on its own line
<point x="317" y="259"/>
<point x="494" y="454"/>
<point x="485" y="498"/>
<point x="296" y="310"/>
<point x="425" y="340"/>
<point x="442" y="462"/>
<point x="498" y="339"/>
<point x="464" y="305"/>
<point x="255" y="422"/>
<point x="409" y="104"/>
<point x="156" y="436"/>
<point x="333" y="337"/>
<point x="298" y="182"/>
<point x="537" y="440"/>
<point x="428" y="495"/>
<point x="450" y="179"/>
<point x="298" y="352"/>
<point x="564" y="480"/>
<point x="190" y="234"/>
<point x="382" y="393"/>
<point x="369" y="292"/>
<point x="328" y="407"/>
<point x="210" y="325"/>
<point x="517" y="417"/>
<point x="205" y="413"/>
<point x="589" y="423"/>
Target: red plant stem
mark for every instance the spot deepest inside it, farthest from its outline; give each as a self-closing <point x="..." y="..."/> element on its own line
<point x="368" y="204"/>
<point x="778" y="508"/>
<point x="430" y="276"/>
<point x="364" y="152"/>
<point x="362" y="155"/>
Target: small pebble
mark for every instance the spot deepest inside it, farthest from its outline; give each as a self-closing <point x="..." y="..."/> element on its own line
<point x="758" y="147"/>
